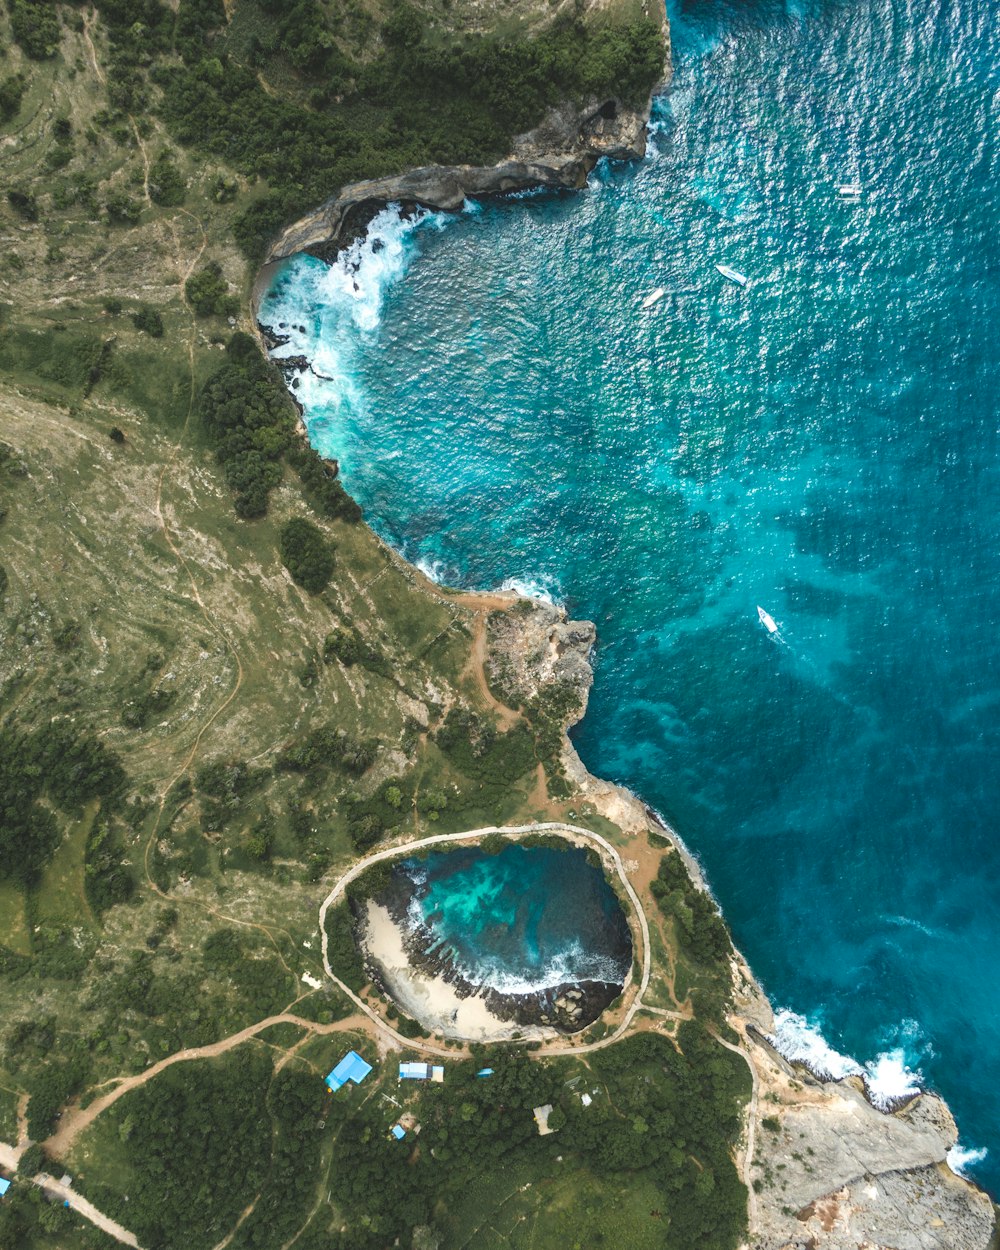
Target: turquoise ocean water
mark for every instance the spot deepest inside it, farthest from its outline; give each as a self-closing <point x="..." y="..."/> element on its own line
<point x="823" y="443"/>
<point x="526" y="919"/>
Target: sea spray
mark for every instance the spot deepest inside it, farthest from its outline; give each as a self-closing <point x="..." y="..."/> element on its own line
<point x="960" y="1158"/>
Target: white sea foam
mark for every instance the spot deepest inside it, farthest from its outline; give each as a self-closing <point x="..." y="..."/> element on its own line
<point x="959" y="1158"/>
<point x="801" y="1042"/>
<point x="433" y="570"/>
<point x="542" y="588"/>
<point x="888" y="1079"/>
<point x="322" y="312"/>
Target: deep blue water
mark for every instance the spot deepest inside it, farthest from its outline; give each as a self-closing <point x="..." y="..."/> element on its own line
<point x="823" y="444"/>
<point x="526" y="919"/>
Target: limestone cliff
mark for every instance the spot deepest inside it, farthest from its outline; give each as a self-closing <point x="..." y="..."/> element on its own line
<point x="558" y="154"/>
<point x="825" y="1170"/>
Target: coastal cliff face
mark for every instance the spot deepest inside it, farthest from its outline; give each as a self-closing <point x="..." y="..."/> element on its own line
<point x="825" y="1169"/>
<point x="558" y="154"/>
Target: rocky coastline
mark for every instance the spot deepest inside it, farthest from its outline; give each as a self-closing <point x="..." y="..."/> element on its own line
<point x="556" y="155"/>
<point x="825" y="1169"/>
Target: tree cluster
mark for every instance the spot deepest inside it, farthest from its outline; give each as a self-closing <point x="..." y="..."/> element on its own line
<point x="700" y="929"/>
<point x="57" y="762"/>
<point x="207" y="292"/>
<point x="307" y="554"/>
<point x="249" y="418"/>
<point x="35" y="26"/>
<point x="324" y="748"/>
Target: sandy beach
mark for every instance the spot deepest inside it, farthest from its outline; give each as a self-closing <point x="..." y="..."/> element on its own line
<point x="431" y="1000"/>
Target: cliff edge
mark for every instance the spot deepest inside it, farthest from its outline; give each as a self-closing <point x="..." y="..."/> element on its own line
<point x="558" y="154"/>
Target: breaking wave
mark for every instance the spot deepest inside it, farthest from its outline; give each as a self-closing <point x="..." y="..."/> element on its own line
<point x="959" y="1158"/>
<point x="544" y="589"/>
<point x="888" y="1079"/>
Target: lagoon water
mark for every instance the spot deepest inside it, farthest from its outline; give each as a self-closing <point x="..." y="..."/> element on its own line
<point x="523" y="920"/>
<point x="824" y="444"/>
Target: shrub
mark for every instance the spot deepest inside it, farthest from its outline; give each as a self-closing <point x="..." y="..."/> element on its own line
<point x="148" y="320"/>
<point x="36" y="27"/>
<point x="166" y="183"/>
<point x="207" y="291"/>
<point x="23" y="203"/>
<point x="11" y="93"/>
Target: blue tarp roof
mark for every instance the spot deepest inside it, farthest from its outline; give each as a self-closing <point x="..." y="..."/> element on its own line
<point x="485" y="1072"/>
<point x="351" y="1068"/>
<point x="398" y="1132"/>
<point x="4" y="1186"/>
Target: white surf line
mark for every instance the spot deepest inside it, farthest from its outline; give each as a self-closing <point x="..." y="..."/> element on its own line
<point x="401" y="847"/>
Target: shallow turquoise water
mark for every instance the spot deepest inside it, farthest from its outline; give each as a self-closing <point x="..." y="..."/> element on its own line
<point x="523" y="920"/>
<point x="823" y="444"/>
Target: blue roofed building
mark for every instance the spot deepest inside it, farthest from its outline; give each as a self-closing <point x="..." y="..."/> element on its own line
<point x="420" y="1072"/>
<point x="4" y="1186"/>
<point x="351" y="1068"/>
<point x="398" y="1132"/>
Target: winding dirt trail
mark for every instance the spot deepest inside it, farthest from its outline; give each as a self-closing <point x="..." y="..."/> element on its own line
<point x="76" y="1119"/>
<point x="476" y="669"/>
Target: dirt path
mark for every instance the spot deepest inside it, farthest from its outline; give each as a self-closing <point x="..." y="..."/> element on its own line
<point x="90" y="17"/>
<point x="475" y="834"/>
<point x="76" y="1119"/>
<point x="751" y="1127"/>
<point x="49" y="1185"/>
<point x="476" y="669"/>
<point x="9" y="1158"/>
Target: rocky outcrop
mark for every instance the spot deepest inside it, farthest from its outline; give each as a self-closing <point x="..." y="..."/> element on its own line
<point x="830" y="1172"/>
<point x="532" y="648"/>
<point x="558" y="155"/>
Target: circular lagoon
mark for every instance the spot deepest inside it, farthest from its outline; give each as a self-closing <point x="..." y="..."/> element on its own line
<point x="526" y="940"/>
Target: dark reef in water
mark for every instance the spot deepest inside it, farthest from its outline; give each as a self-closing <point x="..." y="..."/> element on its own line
<point x="569" y="1006"/>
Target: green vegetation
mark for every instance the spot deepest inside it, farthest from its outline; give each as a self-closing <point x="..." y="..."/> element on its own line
<point x="250" y="421"/>
<point x="701" y="929"/>
<point x="208" y="292"/>
<point x="200" y="1137"/>
<point x="342" y="949"/>
<point x="55" y="762"/>
<point x="197" y="1146"/>
<point x="420" y="100"/>
<point x="35" y="26"/>
<point x="306" y="554"/>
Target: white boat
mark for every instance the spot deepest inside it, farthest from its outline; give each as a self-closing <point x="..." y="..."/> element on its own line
<point x="733" y="275"/>
<point x="850" y="190"/>
<point x="654" y="297"/>
<point x="767" y="620"/>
